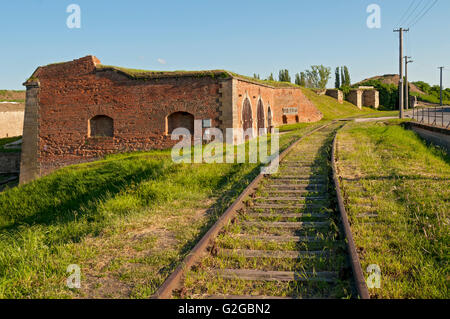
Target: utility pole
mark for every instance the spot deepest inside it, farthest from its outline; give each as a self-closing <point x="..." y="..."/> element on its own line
<point x="400" y="83"/>
<point x="441" y="68"/>
<point x="407" y="61"/>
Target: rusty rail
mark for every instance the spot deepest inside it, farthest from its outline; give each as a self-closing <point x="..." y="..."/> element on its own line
<point x="354" y="259"/>
<point x="200" y="249"/>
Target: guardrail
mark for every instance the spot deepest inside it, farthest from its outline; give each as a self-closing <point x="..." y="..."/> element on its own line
<point x="433" y="115"/>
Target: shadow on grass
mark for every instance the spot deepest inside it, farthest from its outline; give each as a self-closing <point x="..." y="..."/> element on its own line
<point x="69" y="195"/>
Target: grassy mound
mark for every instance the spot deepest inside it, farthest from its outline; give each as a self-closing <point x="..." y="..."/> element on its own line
<point x="332" y="109"/>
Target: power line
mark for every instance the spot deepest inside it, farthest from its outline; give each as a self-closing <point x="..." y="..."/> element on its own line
<point x="426" y="3"/>
<point x="429" y="8"/>
<point x="412" y="12"/>
<point x="406" y="12"/>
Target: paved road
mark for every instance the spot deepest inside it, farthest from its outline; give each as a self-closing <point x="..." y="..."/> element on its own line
<point x="432" y="113"/>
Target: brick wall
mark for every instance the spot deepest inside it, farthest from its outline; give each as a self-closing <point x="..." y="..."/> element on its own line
<point x="278" y="99"/>
<point x="63" y="98"/>
<point x="70" y="94"/>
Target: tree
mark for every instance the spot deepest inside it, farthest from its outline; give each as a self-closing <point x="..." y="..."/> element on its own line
<point x="270" y="78"/>
<point x="347" y="76"/>
<point x="283" y="76"/>
<point x="342" y="77"/>
<point x="256" y="76"/>
<point x="297" y="79"/>
<point x="302" y="79"/>
<point x="318" y="76"/>
<point x="337" y="82"/>
<point x="423" y="86"/>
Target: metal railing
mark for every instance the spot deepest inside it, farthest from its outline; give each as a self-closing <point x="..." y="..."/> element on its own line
<point x="433" y="115"/>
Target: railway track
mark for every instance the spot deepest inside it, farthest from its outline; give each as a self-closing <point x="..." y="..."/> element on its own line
<point x="282" y="238"/>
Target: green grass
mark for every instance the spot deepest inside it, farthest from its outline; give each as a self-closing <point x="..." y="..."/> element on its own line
<point x="430" y="98"/>
<point x="380" y="114"/>
<point x="332" y="109"/>
<point x="397" y="192"/>
<point x="127" y="220"/>
<point x="148" y="74"/>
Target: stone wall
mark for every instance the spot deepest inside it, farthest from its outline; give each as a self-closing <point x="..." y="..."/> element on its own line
<point x="371" y="98"/>
<point x="337" y="94"/>
<point x="355" y="97"/>
<point x="11" y="123"/>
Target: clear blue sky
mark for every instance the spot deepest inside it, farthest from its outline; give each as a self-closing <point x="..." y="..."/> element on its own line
<point x="245" y="36"/>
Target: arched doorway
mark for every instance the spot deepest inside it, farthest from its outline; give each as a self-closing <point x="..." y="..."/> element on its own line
<point x="247" y="119"/>
<point x="100" y="126"/>
<point x="260" y="116"/>
<point x="269" y="119"/>
<point x="180" y="119"/>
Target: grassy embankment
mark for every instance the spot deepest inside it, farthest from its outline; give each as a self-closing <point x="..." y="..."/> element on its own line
<point x="397" y="192"/>
<point x="332" y="109"/>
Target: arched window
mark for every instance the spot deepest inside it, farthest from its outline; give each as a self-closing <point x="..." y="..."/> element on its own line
<point x="284" y="119"/>
<point x="260" y="113"/>
<point x="180" y="119"/>
<point x="101" y="125"/>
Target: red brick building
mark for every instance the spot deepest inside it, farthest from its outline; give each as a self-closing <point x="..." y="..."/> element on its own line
<point x="80" y="110"/>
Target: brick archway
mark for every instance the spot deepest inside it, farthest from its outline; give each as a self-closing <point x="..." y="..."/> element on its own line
<point x="269" y="118"/>
<point x="247" y="117"/>
<point x="180" y="119"/>
<point x="260" y="116"/>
